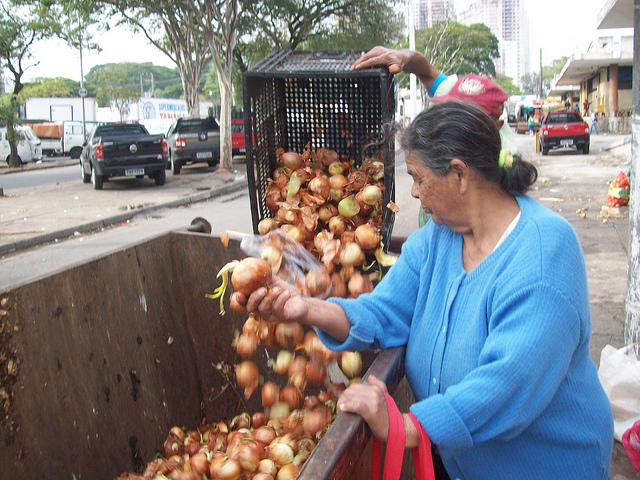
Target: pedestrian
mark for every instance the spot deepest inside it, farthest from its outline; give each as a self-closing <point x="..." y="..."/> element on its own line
<point x="531" y="124"/>
<point x="594" y="123"/>
<point x="481" y="90"/>
<point x="491" y="301"/>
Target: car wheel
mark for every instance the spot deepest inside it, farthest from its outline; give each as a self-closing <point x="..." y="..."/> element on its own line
<point x="96" y="179"/>
<point x="160" y="177"/>
<point x="85" y="178"/>
<point x="175" y="166"/>
<point x="585" y="148"/>
<point x="75" y="152"/>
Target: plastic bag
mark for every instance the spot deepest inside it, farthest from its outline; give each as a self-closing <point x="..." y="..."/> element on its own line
<point x="618" y="194"/>
<point x="296" y="260"/>
<point x="619" y="374"/>
<point x="631" y="443"/>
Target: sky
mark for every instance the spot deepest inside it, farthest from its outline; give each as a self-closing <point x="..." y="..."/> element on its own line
<point x="557" y="27"/>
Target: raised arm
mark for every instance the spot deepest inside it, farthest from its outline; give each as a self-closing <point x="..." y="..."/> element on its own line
<point x="403" y="60"/>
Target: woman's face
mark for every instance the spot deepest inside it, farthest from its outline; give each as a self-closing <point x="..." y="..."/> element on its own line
<point x="436" y="194"/>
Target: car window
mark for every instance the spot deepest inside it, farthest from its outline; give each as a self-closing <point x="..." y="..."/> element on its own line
<point x="120" y="129"/>
<point x="237" y="128"/>
<point x="562" y="118"/>
<point x="197" y="125"/>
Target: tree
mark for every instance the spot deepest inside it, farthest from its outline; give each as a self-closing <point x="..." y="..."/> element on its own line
<point x="142" y="77"/>
<point x="507" y="84"/>
<point x="113" y="89"/>
<point x="360" y="27"/>
<point x="459" y="49"/>
<point x="166" y="23"/>
<point x="50" y="87"/>
<point x="20" y="28"/>
<point x="531" y="81"/>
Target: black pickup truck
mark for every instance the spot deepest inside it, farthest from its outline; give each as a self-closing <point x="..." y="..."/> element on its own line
<point x="123" y="150"/>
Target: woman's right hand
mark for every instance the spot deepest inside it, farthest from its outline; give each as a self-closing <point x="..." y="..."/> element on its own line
<point x="400" y="60"/>
<point x="278" y="303"/>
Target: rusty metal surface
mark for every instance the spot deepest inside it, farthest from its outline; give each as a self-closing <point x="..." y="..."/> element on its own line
<point x="109" y="355"/>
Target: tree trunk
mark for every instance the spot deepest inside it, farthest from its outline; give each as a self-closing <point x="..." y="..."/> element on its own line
<point x="12" y="138"/>
<point x="225" y="118"/>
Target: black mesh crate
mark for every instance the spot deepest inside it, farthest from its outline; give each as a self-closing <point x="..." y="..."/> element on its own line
<point x="297" y="98"/>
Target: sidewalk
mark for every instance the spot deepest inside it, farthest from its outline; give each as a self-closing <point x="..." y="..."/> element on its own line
<point x="70" y="209"/>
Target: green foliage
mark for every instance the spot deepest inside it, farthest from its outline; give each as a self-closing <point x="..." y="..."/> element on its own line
<point x="113" y="89"/>
<point x="50" y="87"/>
<point x="361" y="28"/>
<point x="166" y="81"/>
<point x="507" y="84"/>
<point x="531" y="81"/>
<point x="454" y="48"/>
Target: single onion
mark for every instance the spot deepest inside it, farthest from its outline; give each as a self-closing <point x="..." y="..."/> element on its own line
<point x="266" y="225"/>
<point x="199" y="463"/>
<point x="348" y="206"/>
<point x="316" y="420"/>
<point x="336" y="168"/>
<point x="246" y="345"/>
<point x="270" y="394"/>
<point x="265" y="435"/>
<point x="291" y="160"/>
<point x="268" y="466"/>
<point x="281" y="453"/>
<point x="288" y="472"/>
<point x="317" y="282"/>
<point x="315" y="371"/>
<point x="351" y="363"/>
<point x="321" y="186"/>
<point x="263" y="476"/>
<point x="296" y="234"/>
<point x="338" y="287"/>
<point x="289" y="335"/>
<point x="337" y="181"/>
<point x="282" y="361"/>
<point x="228" y="469"/>
<point x="327" y="211"/>
<point x="178" y="433"/>
<point x="292" y="396"/>
<point x="279" y="410"/>
<point x="336" y="225"/>
<point x="299" y="364"/>
<point x="335" y="195"/>
<point x="250" y="274"/>
<point x="242" y="420"/>
<point x="247" y="377"/>
<point x="273" y="256"/>
<point x="359" y="284"/>
<point x="367" y="237"/>
<point x="258" y="419"/>
<point x="352" y="254"/>
<point x="371" y="194"/>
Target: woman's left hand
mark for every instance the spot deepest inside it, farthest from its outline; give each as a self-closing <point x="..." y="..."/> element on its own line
<point x="369" y="402"/>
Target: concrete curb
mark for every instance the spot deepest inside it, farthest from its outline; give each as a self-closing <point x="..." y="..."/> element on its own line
<point x="35" y="240"/>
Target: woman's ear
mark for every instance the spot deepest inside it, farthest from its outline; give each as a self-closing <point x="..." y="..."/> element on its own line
<point x="460" y="174"/>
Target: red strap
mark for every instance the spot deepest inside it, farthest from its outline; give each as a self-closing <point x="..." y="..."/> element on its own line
<point x="395" y="446"/>
<point x="422" y="459"/>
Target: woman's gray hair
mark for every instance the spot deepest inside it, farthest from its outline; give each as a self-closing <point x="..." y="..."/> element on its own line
<point x="464" y="131"/>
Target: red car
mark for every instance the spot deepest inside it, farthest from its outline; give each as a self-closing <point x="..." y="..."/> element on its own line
<point x="564" y="129"/>
<point x="237" y="137"/>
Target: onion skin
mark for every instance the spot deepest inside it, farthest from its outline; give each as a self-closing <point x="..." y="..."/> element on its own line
<point x="270" y="394"/>
<point x="289" y="335"/>
<point x="359" y="284"/>
<point x="250" y="274"/>
<point x="351" y="363"/>
<point x="338" y="287"/>
<point x="266" y="225"/>
<point x="367" y="237"/>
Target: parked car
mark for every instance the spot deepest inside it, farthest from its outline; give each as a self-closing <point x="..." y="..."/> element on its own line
<point x="237" y="137"/>
<point x="123" y="149"/>
<point x="193" y="140"/>
<point x="564" y="129"/>
<point x="29" y="146"/>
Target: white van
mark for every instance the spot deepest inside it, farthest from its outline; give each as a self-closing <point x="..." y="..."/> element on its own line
<point x="29" y="148"/>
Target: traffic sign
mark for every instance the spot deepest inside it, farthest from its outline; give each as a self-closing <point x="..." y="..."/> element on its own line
<point x="82" y="92"/>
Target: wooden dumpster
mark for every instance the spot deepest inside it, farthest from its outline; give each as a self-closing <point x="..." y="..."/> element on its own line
<point x="100" y="360"/>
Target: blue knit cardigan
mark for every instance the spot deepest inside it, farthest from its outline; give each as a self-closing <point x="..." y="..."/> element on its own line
<point x="497" y="358"/>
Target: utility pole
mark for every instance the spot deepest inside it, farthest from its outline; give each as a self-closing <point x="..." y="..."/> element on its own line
<point x="83" y="94"/>
<point x="540" y="74"/>
<point x="632" y="322"/>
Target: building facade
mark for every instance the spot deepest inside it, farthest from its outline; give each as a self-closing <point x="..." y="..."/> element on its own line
<point x="508" y="21"/>
<point x="429" y="12"/>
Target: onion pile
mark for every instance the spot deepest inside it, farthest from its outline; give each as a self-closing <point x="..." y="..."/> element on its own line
<point x="333" y="210"/>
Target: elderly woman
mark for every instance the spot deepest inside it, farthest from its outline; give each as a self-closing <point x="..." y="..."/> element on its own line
<point x="491" y="300"/>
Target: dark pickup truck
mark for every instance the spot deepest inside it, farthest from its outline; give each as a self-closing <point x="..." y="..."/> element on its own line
<point x="123" y="150"/>
<point x="564" y="129"/>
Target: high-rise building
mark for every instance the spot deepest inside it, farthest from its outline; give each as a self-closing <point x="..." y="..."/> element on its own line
<point x="508" y="21"/>
<point x="429" y="12"/>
